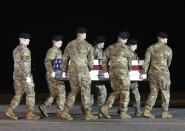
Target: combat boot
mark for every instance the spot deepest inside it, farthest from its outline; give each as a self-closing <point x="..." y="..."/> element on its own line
<point x="137" y="111"/>
<point x="9" y="112"/>
<point x="89" y="116"/>
<point x="43" y="110"/>
<point x="124" y="115"/>
<point x="105" y="113"/>
<point x="147" y="113"/>
<point x="31" y="116"/>
<point x="65" y="114"/>
<point x="165" y="114"/>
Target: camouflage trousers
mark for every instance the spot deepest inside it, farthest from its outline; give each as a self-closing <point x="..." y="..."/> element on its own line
<point x="121" y="89"/>
<point x="156" y="84"/>
<point x="135" y="96"/>
<point x="21" y="87"/>
<point x="56" y="90"/>
<point x="80" y="82"/>
<point x="101" y="95"/>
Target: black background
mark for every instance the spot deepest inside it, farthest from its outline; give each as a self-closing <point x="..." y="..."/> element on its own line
<point x="42" y="20"/>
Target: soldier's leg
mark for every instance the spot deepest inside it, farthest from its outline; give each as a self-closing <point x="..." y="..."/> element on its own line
<point x="115" y="85"/>
<point x="30" y="100"/>
<point x="137" y="98"/>
<point x="19" y="91"/>
<point x="52" y="92"/>
<point x="124" y="97"/>
<point x="74" y="84"/>
<point x="154" y="88"/>
<point x="86" y="97"/>
<point x="61" y="96"/>
<point x="165" y="93"/>
<point x="102" y="95"/>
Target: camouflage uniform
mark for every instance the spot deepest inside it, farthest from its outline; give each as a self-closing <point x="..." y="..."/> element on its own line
<point x="102" y="91"/>
<point x="119" y="56"/>
<point x="134" y="87"/>
<point x="159" y="57"/>
<point x="81" y="58"/>
<point x="56" y="88"/>
<point x="22" y="69"/>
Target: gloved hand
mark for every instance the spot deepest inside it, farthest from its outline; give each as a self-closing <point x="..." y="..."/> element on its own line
<point x="106" y="75"/>
<point x="53" y="74"/>
<point x="63" y="75"/>
<point x="143" y="76"/>
<point x="28" y="79"/>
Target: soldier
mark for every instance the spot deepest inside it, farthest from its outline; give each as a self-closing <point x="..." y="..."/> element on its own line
<point x="159" y="57"/>
<point x="56" y="87"/>
<point x="134" y="85"/>
<point x="81" y="56"/>
<point x="119" y="55"/>
<point x="102" y="91"/>
<point x="23" y="80"/>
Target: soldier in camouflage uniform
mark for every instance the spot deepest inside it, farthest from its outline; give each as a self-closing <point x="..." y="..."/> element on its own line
<point x="119" y="55"/>
<point x="134" y="85"/>
<point x="23" y="80"/>
<point x="102" y="91"/>
<point x="81" y="56"/>
<point x="56" y="87"/>
<point x="158" y="58"/>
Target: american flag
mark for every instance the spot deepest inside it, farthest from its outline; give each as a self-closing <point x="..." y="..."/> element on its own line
<point x="57" y="64"/>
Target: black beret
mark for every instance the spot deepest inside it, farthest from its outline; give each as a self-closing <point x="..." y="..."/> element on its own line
<point x="132" y="42"/>
<point x="99" y="39"/>
<point x="57" y="37"/>
<point x="162" y="35"/>
<point x="24" y="35"/>
<point x="81" y="30"/>
<point x="124" y="35"/>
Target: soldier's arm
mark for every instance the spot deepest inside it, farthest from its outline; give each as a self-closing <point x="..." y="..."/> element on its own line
<point x="91" y="58"/>
<point x="65" y="59"/>
<point x="26" y="62"/>
<point x="50" y="56"/>
<point x="169" y="60"/>
<point x="146" y="61"/>
<point x="130" y="58"/>
<point x="105" y="60"/>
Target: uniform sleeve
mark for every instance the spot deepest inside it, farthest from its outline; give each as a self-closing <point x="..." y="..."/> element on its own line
<point x="95" y="53"/>
<point x="169" y="60"/>
<point x="26" y="62"/>
<point x="49" y="61"/>
<point x="130" y="58"/>
<point x="65" y="59"/>
<point x="105" y="60"/>
<point x="146" y="61"/>
<point x="90" y="58"/>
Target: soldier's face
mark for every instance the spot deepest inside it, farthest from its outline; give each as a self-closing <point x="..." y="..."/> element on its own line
<point x="101" y="45"/>
<point x="59" y="44"/>
<point x="24" y="41"/>
<point x="133" y="47"/>
<point x="163" y="40"/>
<point x="84" y="35"/>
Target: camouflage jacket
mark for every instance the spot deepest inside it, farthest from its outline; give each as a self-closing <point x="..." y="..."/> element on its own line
<point x="98" y="53"/>
<point x="134" y="56"/>
<point x="53" y="53"/>
<point x="81" y="55"/>
<point x="120" y="59"/>
<point x="22" y="61"/>
<point x="158" y="58"/>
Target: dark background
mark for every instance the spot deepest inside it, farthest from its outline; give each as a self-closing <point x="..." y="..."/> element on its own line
<point x="42" y="20"/>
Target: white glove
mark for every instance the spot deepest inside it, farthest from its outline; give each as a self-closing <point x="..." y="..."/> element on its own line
<point x="63" y="75"/>
<point x="28" y="79"/>
<point x="143" y="76"/>
<point x="53" y="74"/>
<point x="106" y="75"/>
